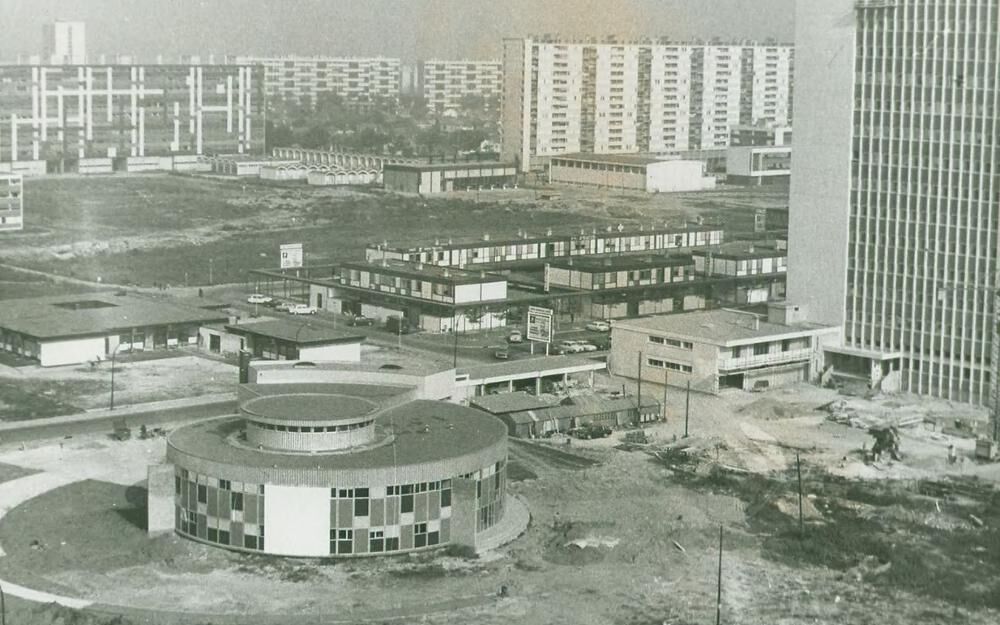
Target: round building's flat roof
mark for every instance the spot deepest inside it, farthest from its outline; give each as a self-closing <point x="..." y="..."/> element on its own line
<point x="321" y="407"/>
<point x="424" y="432"/>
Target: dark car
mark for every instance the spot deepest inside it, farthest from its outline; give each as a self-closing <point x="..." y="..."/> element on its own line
<point x="361" y="320"/>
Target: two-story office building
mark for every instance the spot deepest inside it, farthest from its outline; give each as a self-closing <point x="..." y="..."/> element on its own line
<point x="526" y="249"/>
<point x="744" y="272"/>
<point x="624" y="286"/>
<point x="717" y="349"/>
<point x="432" y="298"/>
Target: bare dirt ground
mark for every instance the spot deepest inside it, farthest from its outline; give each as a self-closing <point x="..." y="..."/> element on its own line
<point x="616" y="536"/>
<point x="34" y="391"/>
<point x="128" y="229"/>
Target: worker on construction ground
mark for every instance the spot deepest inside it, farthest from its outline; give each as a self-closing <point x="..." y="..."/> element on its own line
<point x="952" y="456"/>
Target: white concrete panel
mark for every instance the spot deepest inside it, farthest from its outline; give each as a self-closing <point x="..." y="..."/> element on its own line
<point x="297" y="519"/>
<point x="71" y="351"/>
<point x="348" y="352"/>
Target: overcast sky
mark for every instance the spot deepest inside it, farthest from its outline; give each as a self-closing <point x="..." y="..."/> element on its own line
<point x="410" y="29"/>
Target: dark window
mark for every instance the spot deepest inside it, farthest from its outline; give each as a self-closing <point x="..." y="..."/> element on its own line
<point x="420" y="540"/>
<point x="250" y="542"/>
<point x="202" y="493"/>
<point x="360" y="507"/>
<point x="433" y="538"/>
<point x="406" y="505"/>
<point x="392" y="544"/>
<point x="177" y="485"/>
<point x="236" y="501"/>
<point x="446" y="498"/>
<point x="224" y="484"/>
<point x="213" y="535"/>
<point x="223" y="537"/>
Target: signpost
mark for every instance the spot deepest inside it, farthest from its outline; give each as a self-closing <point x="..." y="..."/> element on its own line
<point x="291" y="255"/>
<point x="539" y="326"/>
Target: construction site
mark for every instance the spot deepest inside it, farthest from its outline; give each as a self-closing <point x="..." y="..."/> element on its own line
<point x="830" y="509"/>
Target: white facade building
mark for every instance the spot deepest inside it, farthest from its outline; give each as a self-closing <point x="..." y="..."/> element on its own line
<point x="894" y="216"/>
<point x="627" y="171"/>
<point x="355" y="79"/>
<point x="11" y="202"/>
<point x="562" y="97"/>
<point x="65" y="43"/>
<point x="447" y="84"/>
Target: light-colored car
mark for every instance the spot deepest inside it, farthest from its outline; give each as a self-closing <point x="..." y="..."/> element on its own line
<point x="586" y="347"/>
<point x="258" y="298"/>
<point x="515" y="336"/>
<point x="302" y="309"/>
<point x="599" y="326"/>
<point x="570" y="347"/>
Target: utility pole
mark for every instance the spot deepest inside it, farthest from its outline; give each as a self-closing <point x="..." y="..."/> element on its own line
<point x="798" y="468"/>
<point x="718" y="594"/>
<point x="638" y="400"/>
<point x="454" y="330"/>
<point x="664" y="411"/>
<point x="687" y="408"/>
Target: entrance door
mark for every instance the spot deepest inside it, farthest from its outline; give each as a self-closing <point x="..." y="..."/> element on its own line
<point x="215" y="343"/>
<point x="319" y="301"/>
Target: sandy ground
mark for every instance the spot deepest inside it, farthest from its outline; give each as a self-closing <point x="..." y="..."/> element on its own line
<point x="135" y="381"/>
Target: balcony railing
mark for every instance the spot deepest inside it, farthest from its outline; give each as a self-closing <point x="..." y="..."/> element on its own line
<point x="777" y="358"/>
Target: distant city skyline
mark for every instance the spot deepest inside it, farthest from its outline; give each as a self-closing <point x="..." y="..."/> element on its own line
<point x="410" y="30"/>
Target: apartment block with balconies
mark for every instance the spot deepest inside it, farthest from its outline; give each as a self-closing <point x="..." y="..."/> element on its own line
<point x="718" y="349"/>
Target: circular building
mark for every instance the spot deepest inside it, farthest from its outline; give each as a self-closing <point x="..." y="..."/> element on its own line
<point x="325" y="470"/>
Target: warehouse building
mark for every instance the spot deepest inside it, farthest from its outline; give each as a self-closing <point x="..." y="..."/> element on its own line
<point x="342" y="470"/>
<point x="281" y="339"/>
<point x="72" y="329"/>
<point x="444" y="177"/>
<point x="722" y="348"/>
<point x="526" y="416"/>
<point x="630" y="172"/>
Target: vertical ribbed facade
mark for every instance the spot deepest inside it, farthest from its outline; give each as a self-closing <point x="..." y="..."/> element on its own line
<point x="925" y="192"/>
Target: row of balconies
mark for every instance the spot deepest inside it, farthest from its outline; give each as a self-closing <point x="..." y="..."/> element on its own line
<point x="775" y="358"/>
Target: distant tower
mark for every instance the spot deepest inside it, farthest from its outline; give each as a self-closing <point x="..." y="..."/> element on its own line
<point x="65" y="43"/>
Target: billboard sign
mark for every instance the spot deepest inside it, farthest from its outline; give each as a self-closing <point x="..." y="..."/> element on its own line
<point x="291" y="255"/>
<point x="539" y="324"/>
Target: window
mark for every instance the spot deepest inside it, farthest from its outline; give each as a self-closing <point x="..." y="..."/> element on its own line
<point x="202" y="493"/>
<point x="445" y="497"/>
<point x="224" y="485"/>
<point x="761" y="349"/>
<point x="236" y="501"/>
<point x="361" y="507"/>
<point x="406" y="504"/>
<point x="659" y="340"/>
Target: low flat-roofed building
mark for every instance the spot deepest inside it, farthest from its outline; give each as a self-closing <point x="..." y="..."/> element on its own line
<point x="11" y="202"/>
<point x="741" y="258"/>
<point x="72" y="329"/>
<point x="531" y="374"/>
<point x="620" y="272"/>
<point x="722" y="348"/>
<point x="444" y="177"/>
<point x="758" y="164"/>
<point x="283" y="339"/>
<point x="630" y="171"/>
<point x="576" y="411"/>
<point x="746" y="134"/>
<point x="528" y="249"/>
<point x="424" y="295"/>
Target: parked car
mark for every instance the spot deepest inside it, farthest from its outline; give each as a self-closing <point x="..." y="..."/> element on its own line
<point x="570" y="347"/>
<point x="302" y="309"/>
<point x="589" y="431"/>
<point x="586" y="347"/>
<point x="515" y="336"/>
<point x="258" y="298"/>
<point x="283" y="306"/>
<point x="502" y="354"/>
<point x="361" y="320"/>
<point x="397" y="325"/>
<point x="599" y="326"/>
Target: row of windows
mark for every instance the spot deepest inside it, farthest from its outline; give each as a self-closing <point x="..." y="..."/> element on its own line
<point x="666" y="364"/>
<point x="318" y="428"/>
<point x="659" y="340"/>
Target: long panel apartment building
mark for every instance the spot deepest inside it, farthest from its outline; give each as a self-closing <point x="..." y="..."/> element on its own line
<point x="562" y="97"/>
<point x="447" y="86"/>
<point x="895" y="197"/>
<point x="354" y="79"/>
<point x="95" y="117"/>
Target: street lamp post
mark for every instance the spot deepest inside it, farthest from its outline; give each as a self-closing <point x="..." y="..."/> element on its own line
<point x="114" y="353"/>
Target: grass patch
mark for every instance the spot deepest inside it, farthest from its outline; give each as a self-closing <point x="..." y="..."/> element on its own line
<point x="517" y="472"/>
<point x="23" y="400"/>
<point x="10" y="472"/>
<point x="89" y="525"/>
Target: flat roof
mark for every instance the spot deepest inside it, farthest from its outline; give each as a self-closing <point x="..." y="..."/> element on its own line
<point x="424" y="431"/>
<point x="377" y="359"/>
<point x="581" y="406"/>
<point x="448" y="166"/>
<point x="579" y="233"/>
<point x="509" y="402"/>
<point x="325" y="407"/>
<point x="717" y="327"/>
<point x="623" y="262"/>
<point x="425" y="271"/>
<point x="742" y="249"/>
<point x="640" y="160"/>
<point x="530" y="367"/>
<point x="88" y="314"/>
<point x="303" y="332"/>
